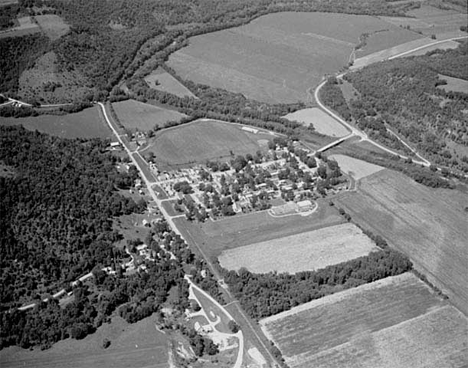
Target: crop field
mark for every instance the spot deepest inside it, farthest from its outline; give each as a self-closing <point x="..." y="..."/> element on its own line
<point x="52" y="25"/>
<point x="163" y="81"/>
<point x="135" y="345"/>
<point x="307" y="251"/>
<point x="216" y="236"/>
<point x="358" y="169"/>
<point x="397" y="322"/>
<point x="321" y="121"/>
<point x="278" y="57"/>
<point x="428" y="225"/>
<point x="136" y="115"/>
<point x="204" y="140"/>
<point x="438" y="21"/>
<point x="84" y="124"/>
<point x="454" y="84"/>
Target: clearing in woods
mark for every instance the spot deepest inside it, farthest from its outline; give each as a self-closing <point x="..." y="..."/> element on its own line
<point x="358" y="169"/>
<point x="428" y="225"/>
<point x="215" y="236"/>
<point x="26" y="26"/>
<point x="307" y="251"/>
<point x="52" y="25"/>
<point x="84" y="124"/>
<point x="397" y="322"/>
<point x="277" y="57"/>
<point x="454" y="84"/>
<point x="321" y="121"/>
<point x="136" y="345"/>
<point x="208" y="140"/>
<point x="136" y="115"/>
<point x="163" y="81"/>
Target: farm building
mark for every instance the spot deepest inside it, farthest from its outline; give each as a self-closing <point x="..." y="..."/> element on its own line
<point x="250" y="130"/>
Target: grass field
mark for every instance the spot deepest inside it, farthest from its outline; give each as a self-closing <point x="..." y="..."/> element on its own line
<point x="136" y="115"/>
<point x="454" y="84"/>
<point x="277" y="57"/>
<point x="203" y="140"/>
<point x="396" y="322"/>
<point x="26" y="26"/>
<point x="137" y="345"/>
<point x="301" y="252"/>
<point x="358" y="169"/>
<point x="215" y="236"/>
<point x="167" y="83"/>
<point x="52" y="25"/>
<point x="84" y="124"/>
<point x="322" y="122"/>
<point x="428" y="225"/>
<point x="440" y="46"/>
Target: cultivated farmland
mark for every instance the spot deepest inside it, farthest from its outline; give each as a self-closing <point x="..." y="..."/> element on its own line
<point x="136" y="115"/>
<point x="428" y="225"/>
<point x="135" y="345"/>
<point x="84" y="124"/>
<point x="163" y="81"/>
<point x="277" y="57"/>
<point x="208" y="140"/>
<point x="307" y="251"/>
<point x="396" y="322"/>
<point x="358" y="169"/>
<point x="322" y="122"/>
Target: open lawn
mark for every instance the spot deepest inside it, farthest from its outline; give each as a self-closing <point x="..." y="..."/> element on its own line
<point x="215" y="236"/>
<point x="396" y="322"/>
<point x="428" y="225"/>
<point x="203" y="140"/>
<point x="321" y="121"/>
<point x="277" y="57"/>
<point x="358" y="169"/>
<point x="136" y="115"/>
<point x="84" y="124"/>
<point x="307" y="251"/>
<point x="137" y="345"/>
<point x="163" y="81"/>
<point x="52" y="25"/>
<point x="454" y="84"/>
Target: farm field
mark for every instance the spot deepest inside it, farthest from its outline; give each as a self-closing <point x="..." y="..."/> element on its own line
<point x="135" y="345"/>
<point x="52" y="25"/>
<point x="84" y="124"/>
<point x="215" y="236"/>
<point x="277" y="57"/>
<point x="321" y="121"/>
<point x="454" y="84"/>
<point x="307" y="251"/>
<point x="397" y="322"/>
<point x="167" y="83"/>
<point x="428" y="225"/>
<point x="358" y="169"/>
<point x="136" y="115"/>
<point x="209" y="140"/>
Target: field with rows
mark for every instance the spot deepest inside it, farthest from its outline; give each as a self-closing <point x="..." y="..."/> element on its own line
<point x="137" y="345"/>
<point x="163" y="81"/>
<point x="277" y="57"/>
<point x="428" y="225"/>
<point x="209" y="140"/>
<point x="397" y="322"/>
<point x="306" y="251"/>
<point x="358" y="169"/>
<point x="84" y="124"/>
<point x="136" y="115"/>
<point x="322" y="122"/>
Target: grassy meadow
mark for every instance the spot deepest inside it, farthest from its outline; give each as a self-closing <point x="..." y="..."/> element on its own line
<point x="321" y="121"/>
<point x="163" y="81"/>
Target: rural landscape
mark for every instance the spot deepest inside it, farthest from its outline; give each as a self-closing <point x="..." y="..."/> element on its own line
<point x="234" y="184"/>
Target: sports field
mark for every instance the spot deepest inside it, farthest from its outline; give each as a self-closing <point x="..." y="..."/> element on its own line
<point x="307" y="251"/>
<point x="216" y="236"/>
<point x="136" y="115"/>
<point x="396" y="322"/>
<point x="204" y="140"/>
<point x="358" y="169"/>
<point x="321" y="121"/>
<point x="277" y="57"/>
<point x="428" y="225"/>
<point x="137" y="345"/>
<point x="163" y="81"/>
<point x="84" y="124"/>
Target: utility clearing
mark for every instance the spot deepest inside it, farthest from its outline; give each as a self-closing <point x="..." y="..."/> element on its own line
<point x="307" y="251"/>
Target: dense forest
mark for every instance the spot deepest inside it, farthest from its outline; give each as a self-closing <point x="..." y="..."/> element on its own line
<point x="111" y="40"/>
<point x="405" y="96"/>
<point x="263" y="295"/>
